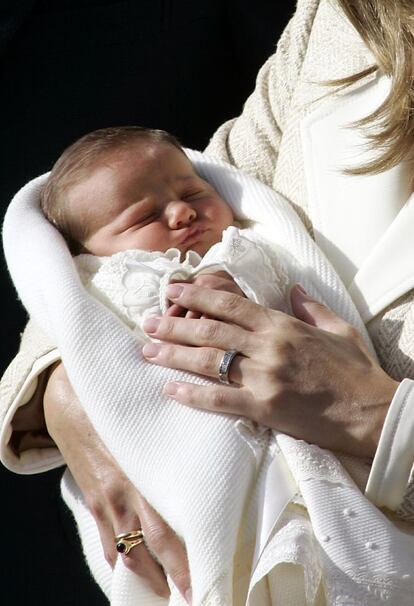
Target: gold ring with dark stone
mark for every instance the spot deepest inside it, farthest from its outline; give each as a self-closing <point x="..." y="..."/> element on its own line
<point x="128" y="540"/>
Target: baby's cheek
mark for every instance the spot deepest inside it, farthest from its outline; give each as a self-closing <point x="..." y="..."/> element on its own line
<point x="228" y="217"/>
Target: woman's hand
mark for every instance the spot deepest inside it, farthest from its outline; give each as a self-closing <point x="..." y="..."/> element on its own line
<point x="219" y="280"/>
<point x="113" y="501"/>
<point x="310" y="376"/>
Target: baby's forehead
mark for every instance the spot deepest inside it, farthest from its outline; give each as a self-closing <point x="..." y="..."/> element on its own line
<point x="149" y="155"/>
<point x="148" y="166"/>
<point x="122" y="174"/>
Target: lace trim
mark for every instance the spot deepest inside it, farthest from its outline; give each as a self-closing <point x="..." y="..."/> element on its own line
<point x="309" y="462"/>
<point x="406" y="509"/>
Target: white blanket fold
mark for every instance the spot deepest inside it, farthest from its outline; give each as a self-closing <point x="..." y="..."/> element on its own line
<point x="193" y="467"/>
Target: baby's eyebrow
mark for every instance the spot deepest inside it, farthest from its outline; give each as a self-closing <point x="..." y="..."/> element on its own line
<point x="186" y="177"/>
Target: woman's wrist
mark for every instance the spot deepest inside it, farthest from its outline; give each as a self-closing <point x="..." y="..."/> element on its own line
<point x="394" y="457"/>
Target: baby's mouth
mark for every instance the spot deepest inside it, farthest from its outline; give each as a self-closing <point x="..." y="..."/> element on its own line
<point x="191" y="236"/>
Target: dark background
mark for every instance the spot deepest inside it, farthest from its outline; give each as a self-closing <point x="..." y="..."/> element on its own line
<point x="66" y="68"/>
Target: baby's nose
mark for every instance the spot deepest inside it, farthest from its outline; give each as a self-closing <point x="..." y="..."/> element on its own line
<point x="180" y="214"/>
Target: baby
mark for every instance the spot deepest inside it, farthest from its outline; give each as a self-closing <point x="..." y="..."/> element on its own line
<point x="134" y="189"/>
<point x="131" y="205"/>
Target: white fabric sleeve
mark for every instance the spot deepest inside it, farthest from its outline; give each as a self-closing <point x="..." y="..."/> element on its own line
<point x="33" y="460"/>
<point x="393" y="461"/>
<point x="241" y="254"/>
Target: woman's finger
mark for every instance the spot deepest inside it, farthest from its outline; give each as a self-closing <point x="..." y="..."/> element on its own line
<point x="216" y="398"/>
<point x="168" y="549"/>
<point x="311" y="311"/>
<point x="106" y="534"/>
<point x="193" y="315"/>
<point x="218" y="281"/>
<point x="219" y="304"/>
<point x="175" y="311"/>
<point x="139" y="559"/>
<point x="201" y="360"/>
<point x="115" y="513"/>
<point x="211" y="333"/>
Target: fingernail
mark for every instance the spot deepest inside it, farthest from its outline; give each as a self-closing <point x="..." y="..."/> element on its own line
<point x="170" y="389"/>
<point x="304" y="294"/>
<point x="300" y="287"/>
<point x="189" y="596"/>
<point x="150" y="350"/>
<point x="151" y="324"/>
<point x="174" y="291"/>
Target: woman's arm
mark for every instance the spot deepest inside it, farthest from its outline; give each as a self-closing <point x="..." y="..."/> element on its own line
<point x="310" y="376"/>
<point x="113" y="501"/>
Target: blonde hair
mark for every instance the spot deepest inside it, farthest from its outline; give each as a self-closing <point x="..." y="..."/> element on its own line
<point x="387" y="28"/>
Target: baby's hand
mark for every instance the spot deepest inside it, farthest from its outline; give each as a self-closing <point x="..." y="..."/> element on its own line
<point x="220" y="280"/>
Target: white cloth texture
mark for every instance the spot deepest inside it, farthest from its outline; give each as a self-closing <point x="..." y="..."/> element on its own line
<point x="133" y="285"/>
<point x="352" y="551"/>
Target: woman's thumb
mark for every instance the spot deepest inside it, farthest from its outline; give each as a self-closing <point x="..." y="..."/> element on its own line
<point x="313" y="312"/>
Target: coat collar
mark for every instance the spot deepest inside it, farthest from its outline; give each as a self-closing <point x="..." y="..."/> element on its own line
<point x="360" y="223"/>
<point x="388" y="271"/>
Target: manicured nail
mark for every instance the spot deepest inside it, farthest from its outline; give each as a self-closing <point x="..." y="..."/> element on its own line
<point x="174" y="291"/>
<point x="151" y="324"/>
<point x="170" y="389"/>
<point x="189" y="596"/>
<point x="150" y="350"/>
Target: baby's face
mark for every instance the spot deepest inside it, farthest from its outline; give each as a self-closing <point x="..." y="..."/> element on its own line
<point x="148" y="197"/>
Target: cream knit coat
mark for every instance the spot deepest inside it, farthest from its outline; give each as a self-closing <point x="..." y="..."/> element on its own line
<point x="319" y="44"/>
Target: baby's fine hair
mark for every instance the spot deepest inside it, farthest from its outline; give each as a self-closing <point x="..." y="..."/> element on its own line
<point x="76" y="162"/>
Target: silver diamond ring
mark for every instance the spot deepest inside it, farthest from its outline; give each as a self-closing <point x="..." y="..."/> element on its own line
<point x="227" y="359"/>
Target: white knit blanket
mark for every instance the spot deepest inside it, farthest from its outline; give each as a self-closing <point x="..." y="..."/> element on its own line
<point x="208" y="475"/>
